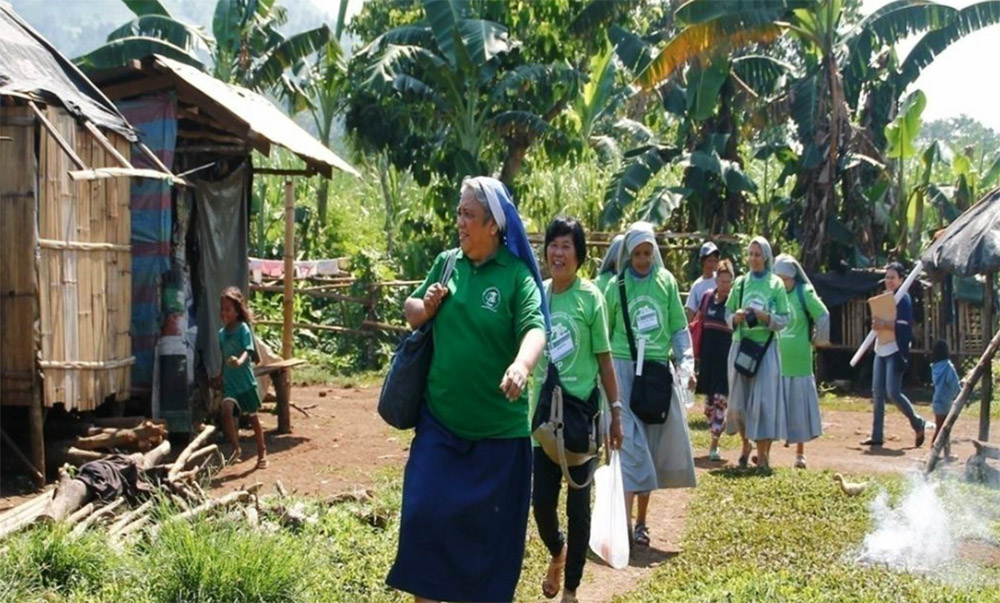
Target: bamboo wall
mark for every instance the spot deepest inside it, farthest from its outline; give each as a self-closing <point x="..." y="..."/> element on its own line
<point x="18" y="294"/>
<point x="83" y="262"/>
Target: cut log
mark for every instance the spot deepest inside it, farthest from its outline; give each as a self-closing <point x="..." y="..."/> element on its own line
<point x="134" y="526"/>
<point x="191" y="448"/>
<point x="156" y="455"/>
<point x="125" y="422"/>
<point x="280" y="487"/>
<point x="240" y="497"/>
<point x="126" y="518"/>
<point x="356" y="496"/>
<point x="180" y="502"/>
<point x="64" y="453"/>
<point x="944" y="434"/>
<point x="80" y="514"/>
<point x="106" y="511"/>
<point x="142" y="437"/>
<point x="23" y="514"/>
<point x="71" y="494"/>
<point x="207" y="450"/>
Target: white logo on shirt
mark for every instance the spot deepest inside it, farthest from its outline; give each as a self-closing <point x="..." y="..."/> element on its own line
<point x="491" y="299"/>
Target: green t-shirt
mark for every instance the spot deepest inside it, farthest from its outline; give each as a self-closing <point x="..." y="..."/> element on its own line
<point x="654" y="305"/>
<point x="237" y="379"/>
<point x="477" y="334"/>
<point x="602" y="280"/>
<point x="767" y="293"/>
<point x="579" y="333"/>
<point x="795" y="339"/>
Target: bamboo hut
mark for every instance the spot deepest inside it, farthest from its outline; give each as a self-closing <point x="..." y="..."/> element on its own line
<point x="208" y="129"/>
<point x="65" y="262"/>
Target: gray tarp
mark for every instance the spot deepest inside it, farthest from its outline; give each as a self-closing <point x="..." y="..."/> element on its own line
<point x="30" y="66"/>
<point x="222" y="242"/>
<point x="971" y="244"/>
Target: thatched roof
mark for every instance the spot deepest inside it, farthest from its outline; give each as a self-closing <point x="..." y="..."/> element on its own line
<point x="971" y="244"/>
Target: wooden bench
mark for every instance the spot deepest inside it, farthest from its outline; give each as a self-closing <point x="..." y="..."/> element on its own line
<point x="281" y="375"/>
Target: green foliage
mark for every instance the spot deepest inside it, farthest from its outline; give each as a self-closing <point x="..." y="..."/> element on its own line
<point x="229" y="562"/>
<point x="903" y="131"/>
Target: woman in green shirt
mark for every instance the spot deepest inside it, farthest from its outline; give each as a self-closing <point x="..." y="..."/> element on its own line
<point x="808" y="326"/>
<point x="757" y="309"/>
<point x="579" y="346"/>
<point x="653" y="456"/>
<point x="467" y="483"/>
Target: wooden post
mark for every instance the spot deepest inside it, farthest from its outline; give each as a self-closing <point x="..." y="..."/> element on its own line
<point x="36" y="429"/>
<point x="284" y="416"/>
<point x="984" y="408"/>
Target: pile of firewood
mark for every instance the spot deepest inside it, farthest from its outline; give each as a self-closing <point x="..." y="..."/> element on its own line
<point x="100" y="437"/>
<point x="73" y="503"/>
<point x="182" y="483"/>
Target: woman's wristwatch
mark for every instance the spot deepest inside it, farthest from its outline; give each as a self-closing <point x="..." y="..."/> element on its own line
<point x="616" y="404"/>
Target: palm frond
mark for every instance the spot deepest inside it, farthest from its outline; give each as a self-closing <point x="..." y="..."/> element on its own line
<point x="142" y="8"/>
<point x="705" y="41"/>
<point x="120" y="52"/>
<point x="969" y="19"/>
<point x="644" y="163"/>
<point x="519" y="123"/>
<point x="634" y="52"/>
<point x="163" y="28"/>
<point x="694" y="12"/>
<point x="286" y="54"/>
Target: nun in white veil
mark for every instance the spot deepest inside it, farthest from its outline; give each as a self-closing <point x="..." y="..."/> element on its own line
<point x="808" y="325"/>
<point x="653" y="456"/>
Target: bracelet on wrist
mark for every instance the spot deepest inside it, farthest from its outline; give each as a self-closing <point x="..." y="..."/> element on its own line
<point x="617" y="404"/>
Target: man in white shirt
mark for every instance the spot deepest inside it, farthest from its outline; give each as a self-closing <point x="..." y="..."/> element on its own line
<point x="709" y="256"/>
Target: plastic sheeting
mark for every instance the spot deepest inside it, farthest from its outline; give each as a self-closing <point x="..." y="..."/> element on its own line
<point x="32" y="67"/>
<point x="971" y="244"/>
<point x="222" y="241"/>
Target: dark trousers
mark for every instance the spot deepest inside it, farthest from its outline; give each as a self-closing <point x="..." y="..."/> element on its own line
<point x="548" y="480"/>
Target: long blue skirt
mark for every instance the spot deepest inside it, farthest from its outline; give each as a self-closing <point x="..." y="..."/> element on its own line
<point x="464" y="516"/>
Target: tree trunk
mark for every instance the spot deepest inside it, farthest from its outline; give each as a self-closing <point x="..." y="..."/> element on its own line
<point x="517" y="149"/>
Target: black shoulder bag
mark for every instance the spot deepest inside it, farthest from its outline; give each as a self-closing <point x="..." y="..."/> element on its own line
<point x="403" y="388"/>
<point x="566" y="427"/>
<point x="750" y="353"/>
<point x="653" y="389"/>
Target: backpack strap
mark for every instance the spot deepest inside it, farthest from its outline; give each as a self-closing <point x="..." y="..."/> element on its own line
<point x="800" y="291"/>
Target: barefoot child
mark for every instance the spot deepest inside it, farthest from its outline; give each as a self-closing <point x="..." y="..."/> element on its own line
<point x="239" y="385"/>
<point x="946" y="387"/>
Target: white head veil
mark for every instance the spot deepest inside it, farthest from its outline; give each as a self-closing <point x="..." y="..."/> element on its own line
<point x="610" y="261"/>
<point x="637" y="234"/>
<point x="786" y="265"/>
<point x="765" y="248"/>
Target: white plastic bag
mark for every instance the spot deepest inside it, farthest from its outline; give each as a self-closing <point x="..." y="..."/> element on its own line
<point x="608" y="522"/>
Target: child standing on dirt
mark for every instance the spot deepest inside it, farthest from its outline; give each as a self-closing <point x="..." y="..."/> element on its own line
<point x="946" y="386"/>
<point x="239" y="385"/>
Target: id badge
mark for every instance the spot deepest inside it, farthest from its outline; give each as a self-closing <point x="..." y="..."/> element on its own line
<point x="647" y="320"/>
<point x="562" y="347"/>
<point x="756" y="305"/>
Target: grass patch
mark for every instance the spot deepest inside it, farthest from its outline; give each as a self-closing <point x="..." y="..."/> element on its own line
<point x="701" y="437"/>
<point x="790" y="536"/>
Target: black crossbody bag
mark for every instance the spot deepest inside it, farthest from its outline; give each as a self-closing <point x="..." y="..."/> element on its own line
<point x="652" y="390"/>
<point x="750" y="353"/>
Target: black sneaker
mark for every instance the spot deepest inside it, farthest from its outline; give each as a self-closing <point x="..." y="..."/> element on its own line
<point x="871" y="442"/>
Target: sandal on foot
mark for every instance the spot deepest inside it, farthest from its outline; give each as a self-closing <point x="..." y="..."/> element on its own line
<point x="800" y="461"/>
<point x="713" y="455"/>
<point x="641" y="535"/>
<point x="871" y="442"/>
<point x="262" y="463"/>
<point x="552" y="583"/>
<point x="743" y="462"/>
<point x="569" y="597"/>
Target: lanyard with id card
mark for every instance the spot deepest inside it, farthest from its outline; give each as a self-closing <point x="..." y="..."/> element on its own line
<point x="561" y="345"/>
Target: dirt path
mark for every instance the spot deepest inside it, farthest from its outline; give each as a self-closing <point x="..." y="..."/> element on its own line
<point x="344" y="445"/>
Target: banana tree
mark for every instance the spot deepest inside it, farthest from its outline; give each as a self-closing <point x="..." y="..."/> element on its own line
<point x="831" y="55"/>
<point x="455" y="85"/>
<point x="246" y="47"/>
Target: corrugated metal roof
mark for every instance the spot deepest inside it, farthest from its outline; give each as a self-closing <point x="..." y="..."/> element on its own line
<point x="32" y="68"/>
<point x="261" y="118"/>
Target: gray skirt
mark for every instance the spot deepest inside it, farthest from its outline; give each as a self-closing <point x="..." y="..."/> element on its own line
<point x="757" y="404"/>
<point x="654" y="456"/>
<point x="802" y="409"/>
